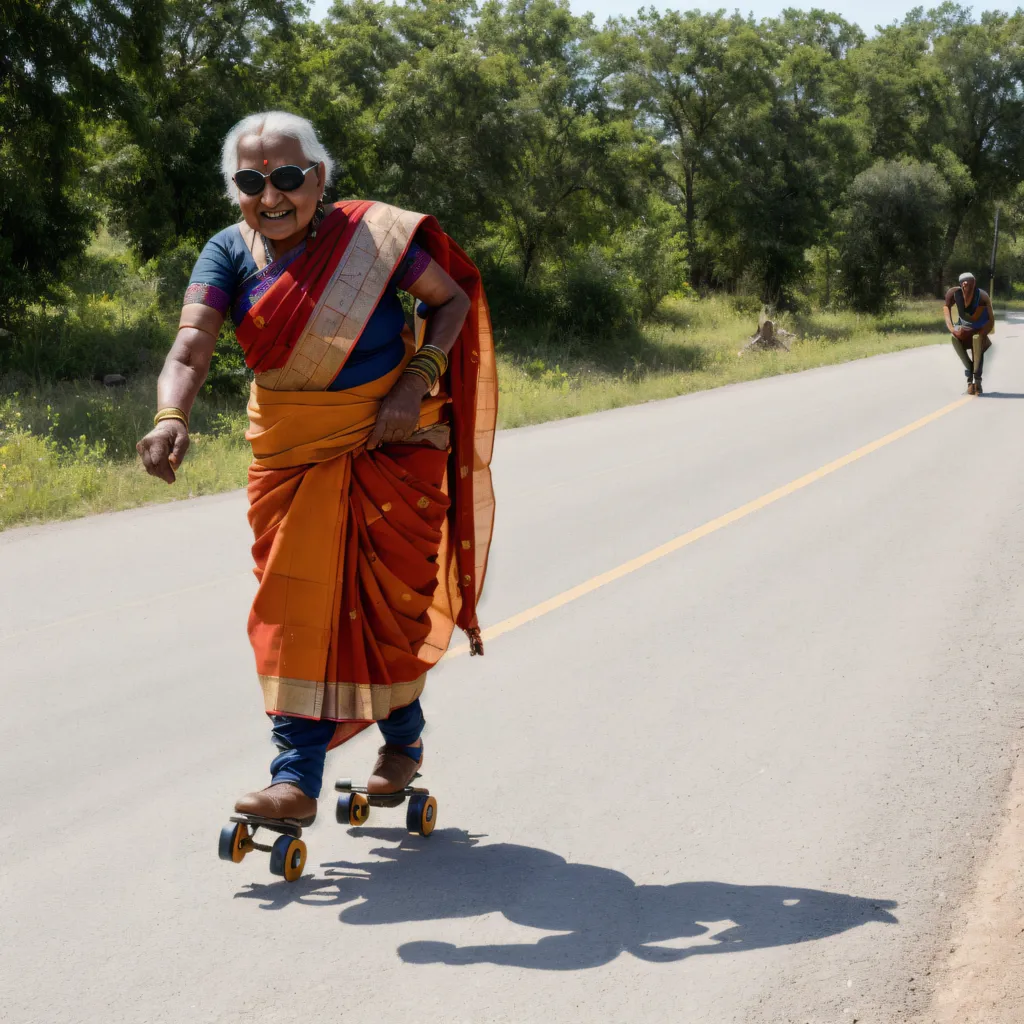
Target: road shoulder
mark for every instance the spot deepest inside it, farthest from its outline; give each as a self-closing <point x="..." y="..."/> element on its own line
<point x="982" y="981"/>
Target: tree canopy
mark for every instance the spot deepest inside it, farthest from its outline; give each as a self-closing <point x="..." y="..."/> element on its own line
<point x="585" y="167"/>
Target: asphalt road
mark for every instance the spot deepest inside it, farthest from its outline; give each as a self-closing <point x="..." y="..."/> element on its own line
<point x="749" y="782"/>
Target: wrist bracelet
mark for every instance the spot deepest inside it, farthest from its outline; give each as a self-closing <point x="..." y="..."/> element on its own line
<point x="438" y="354"/>
<point x="426" y="366"/>
<point x="432" y="357"/>
<point x="428" y="384"/>
<point x="171" y="413"/>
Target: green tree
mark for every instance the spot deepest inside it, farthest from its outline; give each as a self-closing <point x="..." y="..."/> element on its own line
<point x="160" y="165"/>
<point x="573" y="162"/>
<point x="901" y="92"/>
<point x="783" y="164"/>
<point x="891" y="232"/>
<point x="60" y="64"/>
<point x="336" y="73"/>
<point x="691" y="77"/>
<point x="983" y="64"/>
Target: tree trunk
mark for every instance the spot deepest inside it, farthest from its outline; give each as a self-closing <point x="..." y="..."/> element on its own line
<point x="691" y="231"/>
<point x="528" y="255"/>
<point x="768" y="337"/>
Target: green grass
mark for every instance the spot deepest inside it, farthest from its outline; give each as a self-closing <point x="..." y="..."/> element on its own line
<point x="68" y="449"/>
<point x="689" y="347"/>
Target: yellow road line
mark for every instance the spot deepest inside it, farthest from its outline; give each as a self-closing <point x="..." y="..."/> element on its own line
<point x="582" y="589"/>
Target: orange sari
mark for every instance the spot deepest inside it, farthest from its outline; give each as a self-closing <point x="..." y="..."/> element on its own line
<point x="366" y="560"/>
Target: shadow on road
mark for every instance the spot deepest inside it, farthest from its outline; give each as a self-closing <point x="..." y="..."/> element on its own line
<point x="600" y="912"/>
<point x="1002" y="394"/>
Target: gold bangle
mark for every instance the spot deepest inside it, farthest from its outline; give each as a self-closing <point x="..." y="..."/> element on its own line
<point x="196" y="327"/>
<point x="171" y="413"/>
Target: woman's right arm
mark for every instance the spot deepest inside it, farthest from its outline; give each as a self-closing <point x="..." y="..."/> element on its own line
<point x="184" y="372"/>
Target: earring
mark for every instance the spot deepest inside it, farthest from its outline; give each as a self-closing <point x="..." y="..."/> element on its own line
<point x="318" y="218"/>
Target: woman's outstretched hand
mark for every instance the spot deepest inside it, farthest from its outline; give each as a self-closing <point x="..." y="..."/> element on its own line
<point x="163" y="449"/>
<point x="399" y="413"/>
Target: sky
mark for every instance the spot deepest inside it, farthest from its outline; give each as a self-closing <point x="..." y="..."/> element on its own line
<point x="866" y="13"/>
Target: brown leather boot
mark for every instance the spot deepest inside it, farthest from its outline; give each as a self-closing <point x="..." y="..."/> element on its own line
<point x="977" y="386"/>
<point x="282" y="800"/>
<point x="971" y="389"/>
<point x="393" y="770"/>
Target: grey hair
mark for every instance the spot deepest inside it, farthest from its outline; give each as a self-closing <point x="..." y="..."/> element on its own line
<point x="272" y="122"/>
<point x="966" y="276"/>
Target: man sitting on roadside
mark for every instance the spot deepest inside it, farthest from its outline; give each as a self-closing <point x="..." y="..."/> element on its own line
<point x="975" y="322"/>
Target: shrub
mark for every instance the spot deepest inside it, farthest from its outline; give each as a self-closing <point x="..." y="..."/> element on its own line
<point x="891" y="233"/>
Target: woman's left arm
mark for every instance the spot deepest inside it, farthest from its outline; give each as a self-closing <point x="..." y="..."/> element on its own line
<point x="400" y="411"/>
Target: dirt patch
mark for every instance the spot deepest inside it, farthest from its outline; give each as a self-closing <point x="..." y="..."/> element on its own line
<point x="982" y="982"/>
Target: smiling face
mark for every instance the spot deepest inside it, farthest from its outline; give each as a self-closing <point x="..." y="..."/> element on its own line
<point x="282" y="217"/>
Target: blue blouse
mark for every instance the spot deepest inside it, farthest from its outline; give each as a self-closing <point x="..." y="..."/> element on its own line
<point x="225" y="266"/>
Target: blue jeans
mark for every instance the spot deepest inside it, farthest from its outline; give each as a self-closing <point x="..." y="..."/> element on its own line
<point x="302" y="743"/>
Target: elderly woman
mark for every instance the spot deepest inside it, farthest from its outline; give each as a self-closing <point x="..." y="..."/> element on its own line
<point x="370" y="494"/>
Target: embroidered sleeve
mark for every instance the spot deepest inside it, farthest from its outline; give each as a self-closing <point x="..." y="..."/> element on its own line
<point x="208" y="295"/>
<point x="222" y="264"/>
<point x="416" y="261"/>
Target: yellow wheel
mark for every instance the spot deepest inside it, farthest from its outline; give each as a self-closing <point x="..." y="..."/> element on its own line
<point x="422" y="814"/>
<point x="353" y="809"/>
<point x="235" y="842"/>
<point x="359" y="812"/>
<point x="288" y="858"/>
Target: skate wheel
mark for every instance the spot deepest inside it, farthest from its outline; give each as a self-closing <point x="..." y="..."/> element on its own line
<point x="352" y="809"/>
<point x="234" y="842"/>
<point x="422" y="814"/>
<point x="288" y="858"/>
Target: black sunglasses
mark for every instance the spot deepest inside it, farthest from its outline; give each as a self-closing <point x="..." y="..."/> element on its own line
<point x="285" y="179"/>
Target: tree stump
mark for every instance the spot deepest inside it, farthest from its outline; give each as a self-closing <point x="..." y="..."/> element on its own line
<point x="768" y="338"/>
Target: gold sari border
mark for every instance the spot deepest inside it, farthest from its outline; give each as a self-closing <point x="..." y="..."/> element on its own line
<point x="381" y="239"/>
<point x="361" y="702"/>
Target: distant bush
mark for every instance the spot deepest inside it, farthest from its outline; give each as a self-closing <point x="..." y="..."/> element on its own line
<point x="593" y="291"/>
<point x="104" y="318"/>
<point x="85" y="338"/>
<point x="169" y="272"/>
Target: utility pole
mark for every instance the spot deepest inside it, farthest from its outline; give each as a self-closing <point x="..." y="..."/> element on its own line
<point x="992" y="262"/>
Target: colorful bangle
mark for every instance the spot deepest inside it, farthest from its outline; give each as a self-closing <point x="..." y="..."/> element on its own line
<point x="438" y="354"/>
<point x="415" y="371"/>
<point x="425" y="366"/>
<point x="431" y="359"/>
<point x="171" y="413"/>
